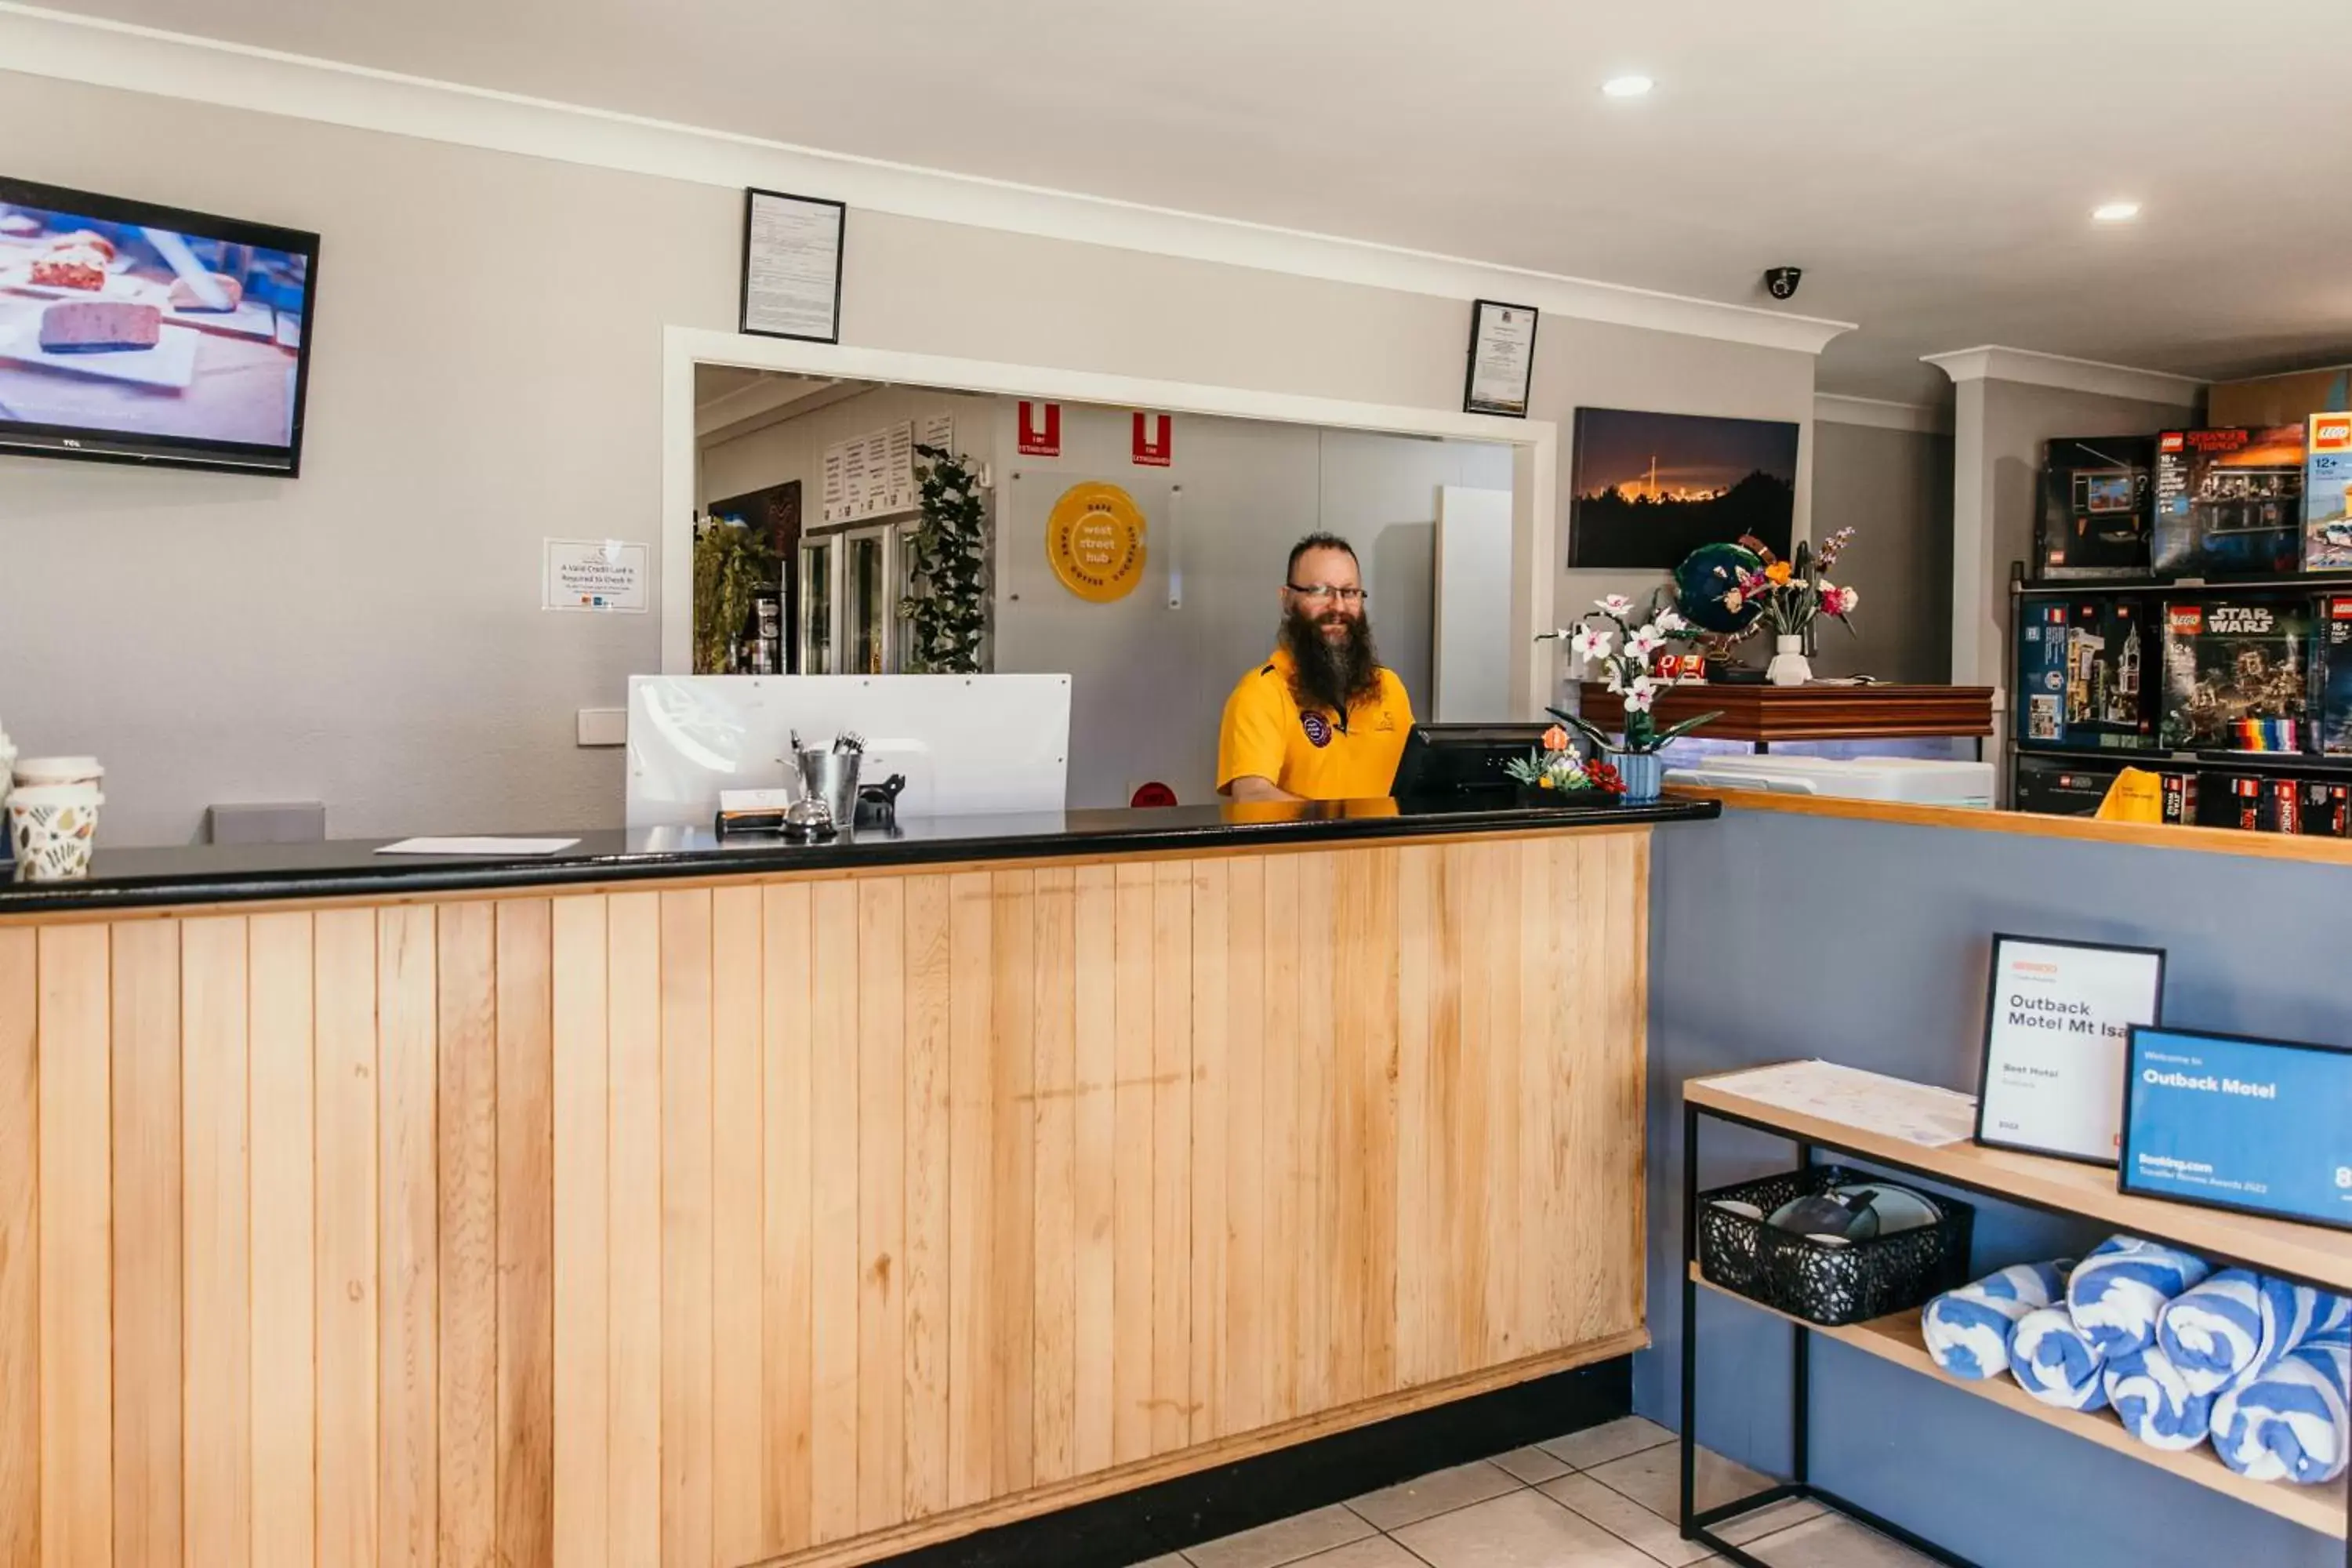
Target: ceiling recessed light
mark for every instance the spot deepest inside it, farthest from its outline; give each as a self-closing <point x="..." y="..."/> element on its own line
<point x="1627" y="86"/>
<point x="2116" y="212"/>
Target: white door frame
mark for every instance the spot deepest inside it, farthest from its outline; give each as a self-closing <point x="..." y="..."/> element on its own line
<point x="1534" y="468"/>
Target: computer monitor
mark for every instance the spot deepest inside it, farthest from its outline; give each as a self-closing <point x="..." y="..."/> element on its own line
<point x="1462" y="761"/>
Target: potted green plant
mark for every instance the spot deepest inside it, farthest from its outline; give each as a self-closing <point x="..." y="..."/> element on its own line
<point x="731" y="563"/>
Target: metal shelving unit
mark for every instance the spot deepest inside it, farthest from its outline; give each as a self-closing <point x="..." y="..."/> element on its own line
<point x="2307" y="1254"/>
<point x="2301" y="765"/>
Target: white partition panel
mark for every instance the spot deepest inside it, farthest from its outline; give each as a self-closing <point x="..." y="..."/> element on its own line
<point x="966" y="743"/>
<point x="1471" y="654"/>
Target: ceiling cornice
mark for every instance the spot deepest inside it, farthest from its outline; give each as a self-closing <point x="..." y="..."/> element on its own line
<point x="1832" y="408"/>
<point x="47" y="43"/>
<point x="1991" y="361"/>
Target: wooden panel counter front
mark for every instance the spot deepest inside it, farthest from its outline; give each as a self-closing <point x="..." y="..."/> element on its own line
<point x="801" y="1217"/>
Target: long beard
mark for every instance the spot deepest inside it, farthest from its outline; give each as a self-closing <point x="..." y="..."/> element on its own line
<point x="1335" y="675"/>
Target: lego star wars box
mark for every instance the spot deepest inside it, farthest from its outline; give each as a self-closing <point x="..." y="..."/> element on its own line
<point x="2333" y="676"/>
<point x="2108" y="656"/>
<point x="2236" y="677"/>
<point x="2229" y="502"/>
<point x="2328" y="494"/>
<point x="2179" y="793"/>
<point x="2043" y="652"/>
<point x="2060" y="786"/>
<point x="2097" y="499"/>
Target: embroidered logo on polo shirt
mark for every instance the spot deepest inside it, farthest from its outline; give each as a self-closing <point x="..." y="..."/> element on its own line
<point x="1318" y="727"/>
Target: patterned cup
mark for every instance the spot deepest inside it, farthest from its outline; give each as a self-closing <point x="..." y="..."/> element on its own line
<point x="51" y="828"/>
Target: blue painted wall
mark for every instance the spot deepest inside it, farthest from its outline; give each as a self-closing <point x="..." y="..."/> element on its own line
<point x="1776" y="936"/>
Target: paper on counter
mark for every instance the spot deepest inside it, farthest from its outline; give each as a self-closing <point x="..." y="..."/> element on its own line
<point x="1915" y="1112"/>
<point x="478" y="846"/>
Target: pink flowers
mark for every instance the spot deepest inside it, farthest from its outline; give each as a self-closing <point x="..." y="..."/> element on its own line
<point x="1839" y="602"/>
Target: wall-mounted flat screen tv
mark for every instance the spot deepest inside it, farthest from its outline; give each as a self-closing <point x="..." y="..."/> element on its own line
<point x="137" y="333"/>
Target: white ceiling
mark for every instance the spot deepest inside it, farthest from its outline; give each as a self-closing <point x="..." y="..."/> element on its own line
<point x="1930" y="163"/>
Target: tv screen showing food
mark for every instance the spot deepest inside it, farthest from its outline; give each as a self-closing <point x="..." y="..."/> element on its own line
<point x="134" y="333"/>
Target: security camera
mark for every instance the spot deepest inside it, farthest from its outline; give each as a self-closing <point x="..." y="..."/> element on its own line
<point x="1781" y="282"/>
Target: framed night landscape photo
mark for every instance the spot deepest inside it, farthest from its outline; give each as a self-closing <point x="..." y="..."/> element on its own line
<point x="1646" y="490"/>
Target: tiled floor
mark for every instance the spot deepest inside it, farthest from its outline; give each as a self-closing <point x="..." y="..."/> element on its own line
<point x="1603" y="1498"/>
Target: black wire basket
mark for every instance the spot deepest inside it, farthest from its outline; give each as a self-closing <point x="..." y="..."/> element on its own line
<point x="1826" y="1284"/>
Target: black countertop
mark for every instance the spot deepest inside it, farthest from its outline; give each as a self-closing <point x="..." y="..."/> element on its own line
<point x="212" y="874"/>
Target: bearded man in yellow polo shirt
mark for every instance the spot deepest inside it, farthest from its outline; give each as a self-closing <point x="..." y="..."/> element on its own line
<point x="1321" y="720"/>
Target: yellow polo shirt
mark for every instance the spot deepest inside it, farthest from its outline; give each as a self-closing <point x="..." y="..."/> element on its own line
<point x="1313" y="753"/>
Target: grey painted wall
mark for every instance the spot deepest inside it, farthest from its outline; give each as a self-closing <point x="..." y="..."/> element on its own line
<point x="1781" y="936"/>
<point x="1999" y="432"/>
<point x="1895" y="488"/>
<point x="1588" y="365"/>
<point x="369" y="635"/>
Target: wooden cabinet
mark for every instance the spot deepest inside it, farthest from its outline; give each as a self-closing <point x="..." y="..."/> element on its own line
<point x="803" y="1219"/>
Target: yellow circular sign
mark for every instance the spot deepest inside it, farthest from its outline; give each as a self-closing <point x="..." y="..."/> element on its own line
<point x="1094" y="537"/>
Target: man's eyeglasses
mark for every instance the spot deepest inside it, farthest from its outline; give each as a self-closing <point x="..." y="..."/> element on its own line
<point x="1326" y="590"/>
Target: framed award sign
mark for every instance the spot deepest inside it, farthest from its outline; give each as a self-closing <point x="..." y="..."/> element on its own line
<point x="2233" y="1122"/>
<point x="2058" y="1020"/>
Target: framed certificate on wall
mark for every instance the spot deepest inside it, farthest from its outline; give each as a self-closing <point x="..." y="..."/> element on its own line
<point x="791" y="265"/>
<point x="1502" y="359"/>
<point x="2058" y="1018"/>
<point x="2229" y="1121"/>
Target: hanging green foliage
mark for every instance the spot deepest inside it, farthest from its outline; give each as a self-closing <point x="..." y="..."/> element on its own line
<point x="730" y="563"/>
<point x="947" y="609"/>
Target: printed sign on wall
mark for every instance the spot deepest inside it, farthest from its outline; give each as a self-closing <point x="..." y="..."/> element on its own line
<point x="1155" y="440"/>
<point x="1095" y="539"/>
<point x="598" y="576"/>
<point x="1041" y="429"/>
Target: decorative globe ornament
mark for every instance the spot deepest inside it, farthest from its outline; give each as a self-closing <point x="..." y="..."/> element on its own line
<point x="1706" y="575"/>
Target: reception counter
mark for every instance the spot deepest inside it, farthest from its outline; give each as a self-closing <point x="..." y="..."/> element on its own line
<point x="671" y="1201"/>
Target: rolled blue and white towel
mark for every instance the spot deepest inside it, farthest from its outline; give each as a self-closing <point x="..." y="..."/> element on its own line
<point x="2056" y="1362"/>
<point x="2213" y="1332"/>
<point x="2155" y="1403"/>
<point x="1967" y="1330"/>
<point x="2293" y="1315"/>
<point x="2288" y="1422"/>
<point x="2116" y="1293"/>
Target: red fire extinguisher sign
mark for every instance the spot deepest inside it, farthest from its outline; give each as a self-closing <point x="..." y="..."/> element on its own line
<point x="1155" y="439"/>
<point x="1041" y="429"/>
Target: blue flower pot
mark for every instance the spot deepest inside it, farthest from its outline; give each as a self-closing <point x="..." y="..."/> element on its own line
<point x="1645" y="773"/>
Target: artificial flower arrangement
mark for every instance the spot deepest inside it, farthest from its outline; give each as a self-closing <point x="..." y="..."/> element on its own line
<point x="1627" y="656"/>
<point x="1789" y="594"/>
<point x="1558" y="767"/>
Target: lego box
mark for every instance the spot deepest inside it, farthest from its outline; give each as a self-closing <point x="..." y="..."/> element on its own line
<point x="2328" y="494"/>
<point x="2229" y="502"/>
<point x="2097" y="503"/>
<point x="2236" y="677"/>
<point x="2333" y="676"/>
<point x="2108" y="656"/>
<point x="2059" y="786"/>
<point x="2043" y="650"/>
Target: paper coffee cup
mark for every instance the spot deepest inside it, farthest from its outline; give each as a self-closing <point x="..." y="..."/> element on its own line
<point x="52" y="828"/>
